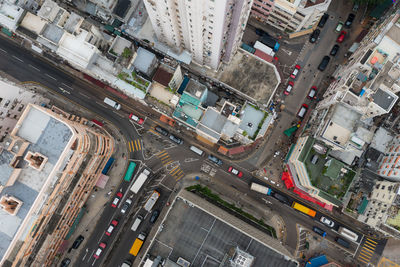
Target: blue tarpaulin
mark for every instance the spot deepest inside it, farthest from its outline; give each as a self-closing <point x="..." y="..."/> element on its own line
<point x="317" y="261"/>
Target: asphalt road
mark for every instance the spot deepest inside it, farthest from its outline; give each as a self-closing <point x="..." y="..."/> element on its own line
<point x="22" y="65"/>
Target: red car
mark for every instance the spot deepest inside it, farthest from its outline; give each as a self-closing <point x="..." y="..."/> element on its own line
<point x="302" y="111"/>
<point x="99" y="250"/>
<point x="235" y="172"/>
<point x="116" y="200"/>
<point x="111" y="227"/>
<point x="295" y="72"/>
<point x="341" y="36"/>
<point x="313" y="93"/>
<point x="289" y="88"/>
<point x="136" y="119"/>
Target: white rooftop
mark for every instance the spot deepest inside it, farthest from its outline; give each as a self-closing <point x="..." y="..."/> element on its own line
<point x="10" y="15"/>
<point x="33" y="23"/>
<point x="76" y="50"/>
<point x="49" y="137"/>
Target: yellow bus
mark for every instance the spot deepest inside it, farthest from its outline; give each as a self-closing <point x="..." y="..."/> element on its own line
<point x="137" y="245"/>
<point x="303" y="209"/>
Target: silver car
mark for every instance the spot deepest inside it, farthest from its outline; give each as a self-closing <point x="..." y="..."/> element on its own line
<point x="327" y="222"/>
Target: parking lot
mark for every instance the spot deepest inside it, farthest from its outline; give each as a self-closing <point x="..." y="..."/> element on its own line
<point x="203" y="240"/>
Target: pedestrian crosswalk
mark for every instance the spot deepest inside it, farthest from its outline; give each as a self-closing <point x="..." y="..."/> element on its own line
<point x="176" y="171"/>
<point x="367" y="250"/>
<point x="135" y="145"/>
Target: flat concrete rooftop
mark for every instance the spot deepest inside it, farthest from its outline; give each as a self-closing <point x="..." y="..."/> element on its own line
<point x="249" y="75"/>
<point x="47" y="136"/>
<point x="193" y="233"/>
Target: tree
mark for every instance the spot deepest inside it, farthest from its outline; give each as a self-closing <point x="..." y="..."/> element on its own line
<point x="126" y="53"/>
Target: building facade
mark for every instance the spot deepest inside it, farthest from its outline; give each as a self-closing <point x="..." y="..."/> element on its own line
<point x="290" y="15"/>
<point x="50" y="163"/>
<point x="210" y="30"/>
<point x="389" y="163"/>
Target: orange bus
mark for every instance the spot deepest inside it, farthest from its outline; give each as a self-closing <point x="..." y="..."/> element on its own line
<point x="303" y="209"/>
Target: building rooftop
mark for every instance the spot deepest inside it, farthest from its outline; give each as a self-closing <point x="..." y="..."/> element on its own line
<point x="119" y="44"/>
<point x="384" y="99"/>
<point x="46" y="136"/>
<point x="49" y="10"/>
<point x="122" y="7"/>
<point x="249" y="75"/>
<point x="196" y="89"/>
<point x="205" y="227"/>
<point x="162" y="76"/>
<point x="10" y="15"/>
<point x="73" y="22"/>
<point x="53" y="33"/>
<point x="33" y="23"/>
<point x="75" y="49"/>
<point x="213" y="119"/>
<point x="145" y="61"/>
<point x="251" y="118"/>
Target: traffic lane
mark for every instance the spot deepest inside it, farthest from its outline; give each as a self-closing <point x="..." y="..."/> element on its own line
<point x="120" y="251"/>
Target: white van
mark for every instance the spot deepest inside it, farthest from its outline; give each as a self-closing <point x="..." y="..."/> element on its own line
<point x="197" y="150"/>
<point x="112" y="103"/>
<point x="136" y="223"/>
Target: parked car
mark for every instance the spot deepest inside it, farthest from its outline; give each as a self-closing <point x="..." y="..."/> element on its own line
<point x="341" y="36"/>
<point x="327" y="222"/>
<point x="324" y="63"/>
<point x="215" y="159"/>
<point x="349" y="20"/>
<point x="154" y="216"/>
<point x="161" y="130"/>
<point x="136" y="119"/>
<point x="176" y="139"/>
<point x="319" y="231"/>
<point x="78" y="241"/>
<point x="116" y="200"/>
<point x="99" y="250"/>
<point x="126" y="206"/>
<point x="280" y="198"/>
<point x="235" y="172"/>
<point x="111" y="227"/>
<point x="302" y="111"/>
<point x="314" y="36"/>
<point x="260" y="32"/>
<point x="334" y="50"/>
<point x="313" y="93"/>
<point x="342" y="242"/>
<point x="323" y="20"/>
<point x="295" y="72"/>
<point x="339" y="26"/>
<point x="65" y="262"/>
<point x="289" y="88"/>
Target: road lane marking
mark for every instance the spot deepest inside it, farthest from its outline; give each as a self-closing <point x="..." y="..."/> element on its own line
<point x="17" y="58"/>
<point x="50" y="76"/>
<point x="67" y="86"/>
<point x="176" y="167"/>
<point x="33" y="67"/>
<point x="118" y="114"/>
<point x="82" y="94"/>
<point x="3" y="50"/>
<point x="372" y="241"/>
<point x="64" y="91"/>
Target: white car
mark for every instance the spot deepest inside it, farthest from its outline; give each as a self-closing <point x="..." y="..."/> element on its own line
<point x="327" y="222"/>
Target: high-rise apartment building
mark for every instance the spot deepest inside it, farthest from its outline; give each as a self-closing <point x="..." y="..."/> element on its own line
<point x="290" y="15"/>
<point x="211" y="30"/>
<point x="49" y="165"/>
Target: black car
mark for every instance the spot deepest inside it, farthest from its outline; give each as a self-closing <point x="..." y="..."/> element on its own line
<point x="161" y="130"/>
<point x="349" y="20"/>
<point x="65" y="262"/>
<point x="323" y="20"/>
<point x="154" y="216"/>
<point x="334" y="50"/>
<point x="260" y="32"/>
<point x="314" y="36"/>
<point x="342" y="242"/>
<point x="215" y="159"/>
<point x="78" y="241"/>
<point x="324" y="63"/>
<point x="281" y="198"/>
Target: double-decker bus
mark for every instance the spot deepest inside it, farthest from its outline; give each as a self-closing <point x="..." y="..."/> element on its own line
<point x="303" y="209"/>
<point x="129" y="172"/>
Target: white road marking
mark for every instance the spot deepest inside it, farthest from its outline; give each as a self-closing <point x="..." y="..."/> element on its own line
<point x="3" y="50"/>
<point x="64" y="91"/>
<point x="118" y="114"/>
<point x="82" y="94"/>
<point x="50" y="76"/>
<point x="17" y="58"/>
<point x="67" y="86"/>
<point x="33" y="67"/>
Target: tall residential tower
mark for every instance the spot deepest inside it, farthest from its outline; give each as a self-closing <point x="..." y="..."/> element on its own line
<point x="211" y="29"/>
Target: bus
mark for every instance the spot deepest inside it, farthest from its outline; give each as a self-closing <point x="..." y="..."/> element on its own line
<point x="137" y="245"/>
<point x="303" y="209"/>
<point x="348" y="234"/>
<point x="129" y="172"/>
<point x="108" y="166"/>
